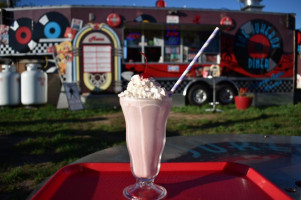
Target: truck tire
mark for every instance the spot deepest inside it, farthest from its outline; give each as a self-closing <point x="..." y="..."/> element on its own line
<point x="198" y="95"/>
<point x="225" y="94"/>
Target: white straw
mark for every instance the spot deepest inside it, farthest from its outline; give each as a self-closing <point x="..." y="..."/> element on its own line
<point x="194" y="60"/>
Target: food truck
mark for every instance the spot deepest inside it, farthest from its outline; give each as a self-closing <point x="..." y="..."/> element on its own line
<point x="99" y="48"/>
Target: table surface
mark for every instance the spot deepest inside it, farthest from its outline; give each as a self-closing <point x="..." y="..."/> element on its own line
<point x="278" y="158"/>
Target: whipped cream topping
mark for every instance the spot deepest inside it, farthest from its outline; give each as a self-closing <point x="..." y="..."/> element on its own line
<point x="144" y="88"/>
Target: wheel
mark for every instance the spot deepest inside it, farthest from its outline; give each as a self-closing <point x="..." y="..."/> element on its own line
<point x="225" y="95"/>
<point x="198" y="95"/>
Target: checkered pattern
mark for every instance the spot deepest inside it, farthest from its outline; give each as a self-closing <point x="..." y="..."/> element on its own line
<point x="253" y="86"/>
<point x="40" y="49"/>
<point x="167" y="84"/>
<point x="6" y="50"/>
<point x="266" y="86"/>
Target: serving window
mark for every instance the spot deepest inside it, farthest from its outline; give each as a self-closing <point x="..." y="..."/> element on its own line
<point x="153" y="44"/>
<point x="133" y="46"/>
<point x="171" y="45"/>
<point x="193" y="42"/>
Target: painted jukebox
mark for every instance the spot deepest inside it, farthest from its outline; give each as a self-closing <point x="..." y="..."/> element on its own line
<point x="96" y="67"/>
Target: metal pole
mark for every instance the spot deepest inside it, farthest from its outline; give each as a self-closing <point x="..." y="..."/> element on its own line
<point x="214" y="102"/>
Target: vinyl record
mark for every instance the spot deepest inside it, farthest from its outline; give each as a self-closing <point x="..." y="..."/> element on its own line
<point x="144" y="18"/>
<point x="21" y="35"/>
<point x="52" y="25"/>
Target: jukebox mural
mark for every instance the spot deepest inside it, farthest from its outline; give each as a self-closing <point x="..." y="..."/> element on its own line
<point x="98" y="66"/>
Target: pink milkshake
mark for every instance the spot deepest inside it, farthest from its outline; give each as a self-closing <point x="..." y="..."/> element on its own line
<point x="145" y="106"/>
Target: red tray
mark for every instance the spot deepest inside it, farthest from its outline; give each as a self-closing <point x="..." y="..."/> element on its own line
<point x="205" y="180"/>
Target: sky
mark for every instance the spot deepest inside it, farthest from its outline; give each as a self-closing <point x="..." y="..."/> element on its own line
<point x="282" y="6"/>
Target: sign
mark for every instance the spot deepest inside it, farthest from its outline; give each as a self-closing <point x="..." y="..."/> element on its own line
<point x="76" y="24"/>
<point x="114" y="20"/>
<point x="69" y="97"/>
<point x="4" y="34"/>
<point x="258" y="46"/>
<point x="172" y="37"/>
<point x="73" y="96"/>
<point x="226" y="21"/>
<point x="172" y="19"/>
<point x="96" y="38"/>
<point x="64" y="55"/>
<point x="173" y="68"/>
<point x="70" y="33"/>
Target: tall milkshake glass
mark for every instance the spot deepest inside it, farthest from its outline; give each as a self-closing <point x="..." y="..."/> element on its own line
<point x="145" y="137"/>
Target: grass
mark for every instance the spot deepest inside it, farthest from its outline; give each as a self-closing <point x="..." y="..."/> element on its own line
<point x="34" y="143"/>
<point x="272" y="120"/>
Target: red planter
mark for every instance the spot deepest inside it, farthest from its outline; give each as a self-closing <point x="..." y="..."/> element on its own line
<point x="242" y="102"/>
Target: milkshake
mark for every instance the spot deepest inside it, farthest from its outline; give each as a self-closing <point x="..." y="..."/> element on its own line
<point x="145" y="106"/>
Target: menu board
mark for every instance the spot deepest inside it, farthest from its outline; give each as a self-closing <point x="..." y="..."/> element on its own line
<point x="97" y="58"/>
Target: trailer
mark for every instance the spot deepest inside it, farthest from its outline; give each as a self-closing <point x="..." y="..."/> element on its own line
<point x="98" y="47"/>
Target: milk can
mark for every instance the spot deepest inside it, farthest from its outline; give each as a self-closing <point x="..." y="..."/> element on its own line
<point x="33" y="85"/>
<point x="9" y="86"/>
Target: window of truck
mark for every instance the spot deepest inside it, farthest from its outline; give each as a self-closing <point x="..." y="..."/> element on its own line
<point x="170" y="46"/>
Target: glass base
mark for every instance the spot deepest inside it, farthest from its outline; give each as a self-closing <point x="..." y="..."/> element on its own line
<point x="144" y="190"/>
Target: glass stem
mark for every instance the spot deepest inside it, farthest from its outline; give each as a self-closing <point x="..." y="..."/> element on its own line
<point x="144" y="182"/>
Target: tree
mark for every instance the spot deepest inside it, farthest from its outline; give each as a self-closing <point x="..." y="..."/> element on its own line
<point x="9" y="3"/>
<point x="2" y="4"/>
